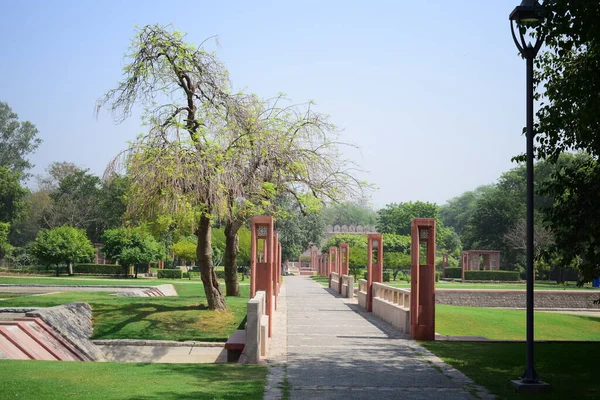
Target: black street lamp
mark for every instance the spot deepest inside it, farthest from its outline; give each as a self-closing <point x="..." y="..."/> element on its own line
<point x="526" y="16"/>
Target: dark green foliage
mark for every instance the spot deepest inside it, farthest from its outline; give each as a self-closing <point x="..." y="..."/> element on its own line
<point x="387" y="275"/>
<point x="492" y="276"/>
<point x="64" y="244"/>
<point x="12" y="195"/>
<point x="437" y="276"/>
<point x="453" y="273"/>
<point x="131" y="246"/>
<point x="396" y="217"/>
<point x="17" y="140"/>
<point x="99" y="269"/>
<point x="297" y="229"/>
<point x="170" y="274"/>
<point x="574" y="217"/>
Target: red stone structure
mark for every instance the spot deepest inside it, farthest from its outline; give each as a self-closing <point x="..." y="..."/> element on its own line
<point x="276" y="267"/>
<point x="333" y="264"/>
<point x="422" y="284"/>
<point x="262" y="271"/>
<point x="374" y="265"/>
<point x="344" y="262"/>
<point x="475" y="260"/>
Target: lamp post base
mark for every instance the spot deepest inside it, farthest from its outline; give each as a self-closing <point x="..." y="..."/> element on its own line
<point x="528" y="387"/>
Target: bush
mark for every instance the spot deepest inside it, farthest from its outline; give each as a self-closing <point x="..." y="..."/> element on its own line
<point x="220" y="274"/>
<point x="387" y="276"/>
<point x="453" y="273"/>
<point x="99" y="269"/>
<point x="170" y="274"/>
<point x="437" y="276"/>
<point x="492" y="275"/>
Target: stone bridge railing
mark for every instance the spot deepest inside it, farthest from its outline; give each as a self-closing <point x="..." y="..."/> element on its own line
<point x="348" y="286"/>
<point x="335" y="282"/>
<point x="362" y="293"/>
<point x="392" y="305"/>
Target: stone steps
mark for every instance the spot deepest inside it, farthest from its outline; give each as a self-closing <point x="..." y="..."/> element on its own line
<point x="32" y="339"/>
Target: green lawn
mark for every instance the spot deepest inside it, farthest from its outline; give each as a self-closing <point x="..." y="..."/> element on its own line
<point x="320" y="279"/>
<point x="184" y="317"/>
<point x="571" y="368"/>
<point x="510" y="324"/>
<point x="103" y="381"/>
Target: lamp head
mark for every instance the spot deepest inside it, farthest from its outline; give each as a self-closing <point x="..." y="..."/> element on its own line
<point x="529" y="12"/>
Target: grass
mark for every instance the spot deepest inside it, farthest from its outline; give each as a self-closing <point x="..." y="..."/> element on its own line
<point x="324" y="281"/>
<point x="510" y="324"/>
<point x="184" y="317"/>
<point x="571" y="368"/>
<point x="102" y="381"/>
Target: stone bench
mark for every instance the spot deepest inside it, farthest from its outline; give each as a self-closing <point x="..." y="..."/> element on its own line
<point x="235" y="345"/>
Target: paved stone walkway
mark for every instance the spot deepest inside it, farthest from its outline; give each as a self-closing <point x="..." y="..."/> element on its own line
<point x="335" y="350"/>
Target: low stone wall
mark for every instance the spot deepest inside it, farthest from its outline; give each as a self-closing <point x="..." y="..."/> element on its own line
<point x="73" y="322"/>
<point x="392" y="305"/>
<point x="575" y="299"/>
<point x="256" y="332"/>
<point x="335" y="281"/>
<point x="362" y="293"/>
<point x="348" y="286"/>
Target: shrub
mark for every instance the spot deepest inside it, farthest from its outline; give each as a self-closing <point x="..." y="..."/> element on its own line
<point x="99" y="269"/>
<point x="453" y="273"/>
<point x="492" y="275"/>
<point x="387" y="276"/>
<point x="170" y="274"/>
<point x="220" y="274"/>
<point x="437" y="276"/>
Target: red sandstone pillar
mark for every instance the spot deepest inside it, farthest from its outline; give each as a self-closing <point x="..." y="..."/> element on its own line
<point x="262" y="277"/>
<point x="344" y="262"/>
<point x="422" y="284"/>
<point x="374" y="269"/>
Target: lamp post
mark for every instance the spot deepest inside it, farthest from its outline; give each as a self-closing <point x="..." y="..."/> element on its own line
<point x="528" y="15"/>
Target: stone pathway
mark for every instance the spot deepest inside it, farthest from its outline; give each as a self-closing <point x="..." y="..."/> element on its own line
<point x="335" y="350"/>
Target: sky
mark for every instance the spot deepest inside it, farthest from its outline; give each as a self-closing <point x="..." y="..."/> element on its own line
<point x="432" y="92"/>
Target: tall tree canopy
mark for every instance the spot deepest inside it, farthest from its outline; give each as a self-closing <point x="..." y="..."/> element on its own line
<point x="569" y="119"/>
<point x="178" y="164"/>
<point x="17" y="140"/>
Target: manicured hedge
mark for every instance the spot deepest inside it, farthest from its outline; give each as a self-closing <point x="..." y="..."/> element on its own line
<point x="454" y="273"/>
<point x="170" y="274"/>
<point x="492" y="275"/>
<point x="99" y="269"/>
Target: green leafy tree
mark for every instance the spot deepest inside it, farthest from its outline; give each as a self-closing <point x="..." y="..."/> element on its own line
<point x="185" y="249"/>
<point x="17" y="140"/>
<point x="397" y="217"/>
<point x="12" y="196"/>
<point x="131" y="247"/>
<point x="297" y="230"/>
<point x="348" y="213"/>
<point x="64" y="244"/>
<point x="5" y="246"/>
<point x="457" y="211"/>
<point x="178" y="165"/>
<point x="568" y="120"/>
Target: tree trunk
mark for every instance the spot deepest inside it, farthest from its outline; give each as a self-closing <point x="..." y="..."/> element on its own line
<point x="214" y="297"/>
<point x="57" y="274"/>
<point x="70" y="268"/>
<point x="230" y="264"/>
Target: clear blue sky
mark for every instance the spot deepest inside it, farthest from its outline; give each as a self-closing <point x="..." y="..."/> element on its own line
<point x="431" y="91"/>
